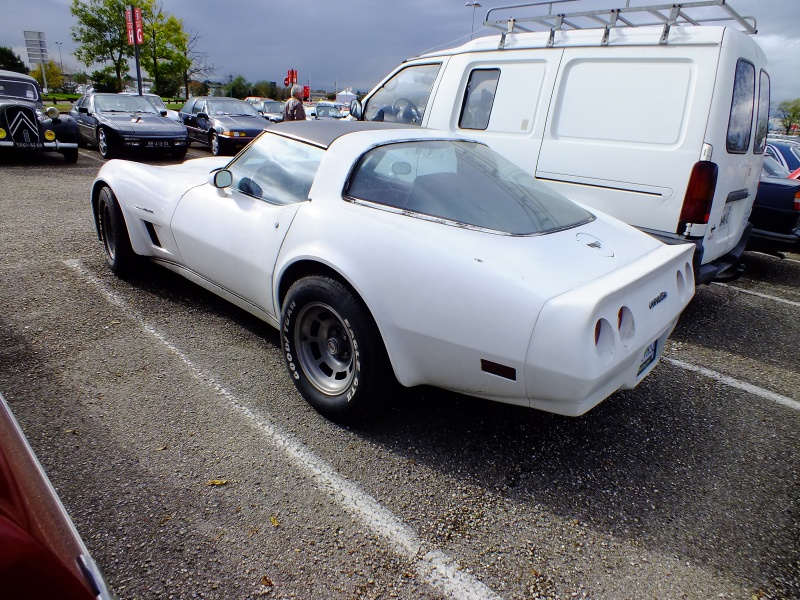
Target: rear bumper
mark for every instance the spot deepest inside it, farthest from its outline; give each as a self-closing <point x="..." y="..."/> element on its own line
<point x="770" y="242"/>
<point x="706" y="273"/>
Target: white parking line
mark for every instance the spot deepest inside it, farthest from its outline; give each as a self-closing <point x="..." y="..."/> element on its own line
<point x="433" y="566"/>
<point x="759" y="294"/>
<point x="735" y="383"/>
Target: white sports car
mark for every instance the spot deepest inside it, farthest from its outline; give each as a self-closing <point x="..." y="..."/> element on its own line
<point x="388" y="254"/>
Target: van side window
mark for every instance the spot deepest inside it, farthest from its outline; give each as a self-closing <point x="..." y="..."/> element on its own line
<point x="762" y="120"/>
<point x="741" y="119"/>
<point x="404" y="98"/>
<point x="478" y="99"/>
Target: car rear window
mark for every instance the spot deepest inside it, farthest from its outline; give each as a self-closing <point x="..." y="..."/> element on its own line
<point x="762" y="120"/>
<point x="741" y="119"/>
<point x="462" y="182"/>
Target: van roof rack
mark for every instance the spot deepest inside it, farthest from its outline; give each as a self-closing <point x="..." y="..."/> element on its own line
<point x="695" y="12"/>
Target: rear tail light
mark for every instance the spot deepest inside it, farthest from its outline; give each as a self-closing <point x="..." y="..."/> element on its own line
<point x="699" y="194"/>
<point x="797" y="200"/>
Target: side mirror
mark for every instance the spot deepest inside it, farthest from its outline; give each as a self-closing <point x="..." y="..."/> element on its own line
<point x="83" y="109"/>
<point x="201" y="115"/>
<point x="163" y="113"/>
<point x="220" y="178"/>
<point x="356" y="110"/>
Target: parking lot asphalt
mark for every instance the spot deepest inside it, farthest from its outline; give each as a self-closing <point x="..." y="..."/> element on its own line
<point x="193" y="469"/>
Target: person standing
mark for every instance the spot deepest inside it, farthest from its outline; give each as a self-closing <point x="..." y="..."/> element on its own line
<point x="293" y="110"/>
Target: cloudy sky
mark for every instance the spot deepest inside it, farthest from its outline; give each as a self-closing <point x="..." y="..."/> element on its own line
<point x="354" y="43"/>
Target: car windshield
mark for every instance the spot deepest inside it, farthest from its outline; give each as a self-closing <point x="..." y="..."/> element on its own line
<point x="463" y="182"/>
<point x="18" y="89"/>
<point x="772" y="168"/>
<point x="120" y="103"/>
<point x="276" y="169"/>
<point x="273" y="106"/>
<point x="157" y="102"/>
<point x="238" y="108"/>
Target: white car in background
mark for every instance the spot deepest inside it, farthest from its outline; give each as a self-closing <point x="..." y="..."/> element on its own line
<point x="389" y="253"/>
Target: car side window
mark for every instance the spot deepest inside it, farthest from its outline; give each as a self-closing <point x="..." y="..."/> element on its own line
<point x="762" y="120"/>
<point x="198" y="107"/>
<point x="403" y="98"/>
<point x="742" y="107"/>
<point x="276" y="169"/>
<point x="476" y="107"/>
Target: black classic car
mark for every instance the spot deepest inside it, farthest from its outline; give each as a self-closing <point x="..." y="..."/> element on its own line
<point x="226" y="125"/>
<point x="776" y="211"/>
<point x="118" y="122"/>
<point x="26" y="125"/>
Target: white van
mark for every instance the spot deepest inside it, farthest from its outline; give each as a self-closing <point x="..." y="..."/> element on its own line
<point x="662" y="126"/>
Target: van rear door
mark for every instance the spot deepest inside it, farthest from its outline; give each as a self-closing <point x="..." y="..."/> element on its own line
<point x="737" y="133"/>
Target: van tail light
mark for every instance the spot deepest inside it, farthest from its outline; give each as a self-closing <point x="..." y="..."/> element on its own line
<point x="699" y="194"/>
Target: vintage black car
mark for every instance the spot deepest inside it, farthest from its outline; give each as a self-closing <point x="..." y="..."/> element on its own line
<point x="776" y="211"/>
<point x="25" y="125"/>
<point x="119" y="122"/>
<point x="226" y="125"/>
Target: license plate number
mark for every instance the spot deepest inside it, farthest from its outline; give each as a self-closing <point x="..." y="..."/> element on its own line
<point x="158" y="143"/>
<point x="648" y="357"/>
<point x="30" y="145"/>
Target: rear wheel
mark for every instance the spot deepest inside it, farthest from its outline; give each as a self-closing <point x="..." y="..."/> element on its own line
<point x="333" y="350"/>
<point x="179" y="152"/>
<point x="114" y="234"/>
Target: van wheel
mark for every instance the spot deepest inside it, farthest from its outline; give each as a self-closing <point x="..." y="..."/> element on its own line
<point x="333" y="350"/>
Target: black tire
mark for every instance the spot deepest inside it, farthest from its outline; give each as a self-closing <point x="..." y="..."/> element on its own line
<point x="179" y="152"/>
<point x="105" y="144"/>
<point x="334" y="351"/>
<point x="70" y="155"/>
<point x="120" y="256"/>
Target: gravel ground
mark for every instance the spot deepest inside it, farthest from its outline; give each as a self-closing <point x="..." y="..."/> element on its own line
<point x="193" y="469"/>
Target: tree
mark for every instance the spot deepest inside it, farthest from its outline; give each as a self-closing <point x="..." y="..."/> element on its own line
<point x="163" y="53"/>
<point x="52" y="70"/>
<point x="197" y="64"/>
<point x="789" y="113"/>
<point x="11" y="62"/>
<point x="238" y="87"/>
<point x="101" y="33"/>
<point x="264" y="89"/>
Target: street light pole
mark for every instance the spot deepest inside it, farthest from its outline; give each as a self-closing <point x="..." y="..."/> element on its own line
<point x="60" y="58"/>
<point x="474" y="5"/>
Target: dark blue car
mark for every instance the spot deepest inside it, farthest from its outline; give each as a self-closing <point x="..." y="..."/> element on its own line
<point x="786" y="152"/>
<point x="776" y="211"/>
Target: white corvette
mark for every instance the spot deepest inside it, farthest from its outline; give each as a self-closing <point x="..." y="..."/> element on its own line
<point x="387" y="254"/>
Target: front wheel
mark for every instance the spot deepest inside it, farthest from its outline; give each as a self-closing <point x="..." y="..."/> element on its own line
<point x="114" y="234"/>
<point x="333" y="350"/>
<point x="104" y="144"/>
<point x="70" y="155"/>
<point x="214" y="143"/>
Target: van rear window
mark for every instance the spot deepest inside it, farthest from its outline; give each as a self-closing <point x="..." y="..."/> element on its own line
<point x="741" y="119"/>
<point x="762" y="120"/>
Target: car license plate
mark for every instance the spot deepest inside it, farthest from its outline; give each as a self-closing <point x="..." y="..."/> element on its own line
<point x="726" y="217"/>
<point x="648" y="357"/>
<point x="30" y="145"/>
<point x="158" y="143"/>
